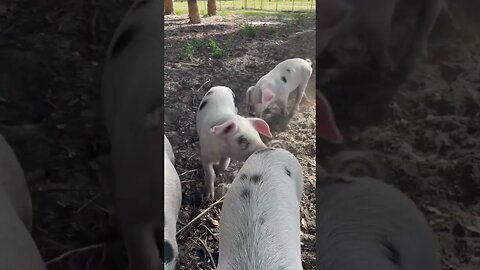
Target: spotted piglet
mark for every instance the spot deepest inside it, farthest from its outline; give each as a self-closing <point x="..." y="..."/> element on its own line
<point x="275" y="87"/>
<point x="172" y="200"/>
<point x="132" y="103"/>
<point x="365" y="224"/>
<point x="17" y="248"/>
<point x="260" y="225"/>
<point x="225" y="135"/>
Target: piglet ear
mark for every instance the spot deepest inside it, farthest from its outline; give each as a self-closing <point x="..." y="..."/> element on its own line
<point x="267" y="95"/>
<point x="330" y="13"/>
<point x="154" y="119"/>
<point x="229" y="127"/>
<point x="261" y="126"/>
<point x="326" y="127"/>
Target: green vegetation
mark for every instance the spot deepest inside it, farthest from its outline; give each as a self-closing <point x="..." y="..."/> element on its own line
<point x="189" y="49"/>
<point x="219" y="50"/>
<point x="250" y="29"/>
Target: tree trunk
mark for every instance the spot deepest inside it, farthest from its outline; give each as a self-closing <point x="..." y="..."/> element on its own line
<point x="212" y="8"/>
<point x="193" y="12"/>
<point x="168" y="7"/>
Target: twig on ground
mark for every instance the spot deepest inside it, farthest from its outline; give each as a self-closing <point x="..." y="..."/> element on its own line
<point x="186" y="172"/>
<point x="198" y="90"/>
<point x="87" y="203"/>
<point x="200" y="215"/>
<point x="210" y="231"/>
<point x="78" y="250"/>
<point x="208" y="253"/>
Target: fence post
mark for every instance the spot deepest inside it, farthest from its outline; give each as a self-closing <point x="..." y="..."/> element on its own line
<point x="276" y="5"/>
<point x="293" y="5"/>
<point x="261" y="4"/>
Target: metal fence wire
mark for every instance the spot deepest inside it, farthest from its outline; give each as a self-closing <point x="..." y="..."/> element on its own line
<point x="267" y="5"/>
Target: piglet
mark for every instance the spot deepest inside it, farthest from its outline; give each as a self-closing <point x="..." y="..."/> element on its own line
<point x="375" y="17"/>
<point x="260" y="224"/>
<point x="225" y="135"/>
<point x="365" y="224"/>
<point x="17" y="248"/>
<point x="132" y="104"/>
<point x="172" y="200"/>
<point x="276" y="86"/>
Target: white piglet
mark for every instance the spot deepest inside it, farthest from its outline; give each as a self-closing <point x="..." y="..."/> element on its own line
<point x="365" y="224"/>
<point x="260" y="225"/>
<point x="172" y="200"/>
<point x="17" y="248"/>
<point x="132" y="101"/>
<point x="225" y="135"/>
<point x="275" y="87"/>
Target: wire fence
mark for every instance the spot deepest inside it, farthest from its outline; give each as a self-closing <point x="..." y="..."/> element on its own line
<point x="265" y="5"/>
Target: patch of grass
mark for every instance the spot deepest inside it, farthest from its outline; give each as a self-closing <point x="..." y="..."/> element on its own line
<point x="253" y="8"/>
<point x="220" y="50"/>
<point x="189" y="49"/>
<point x="250" y="29"/>
<point x="299" y="19"/>
<point x="272" y="30"/>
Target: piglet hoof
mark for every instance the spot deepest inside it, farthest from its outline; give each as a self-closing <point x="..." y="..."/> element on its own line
<point x="208" y="195"/>
<point x="224" y="163"/>
<point x="220" y="191"/>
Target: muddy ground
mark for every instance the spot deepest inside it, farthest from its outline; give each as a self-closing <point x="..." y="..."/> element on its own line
<point x="51" y="53"/>
<point x="257" y="45"/>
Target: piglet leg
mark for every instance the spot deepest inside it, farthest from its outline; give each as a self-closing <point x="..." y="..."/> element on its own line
<point x="142" y="249"/>
<point x="209" y="179"/>
<point x="300" y="92"/>
<point x="224" y="162"/>
<point x="283" y="105"/>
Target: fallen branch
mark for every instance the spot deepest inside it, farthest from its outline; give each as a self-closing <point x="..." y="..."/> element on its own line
<point x="78" y="250"/>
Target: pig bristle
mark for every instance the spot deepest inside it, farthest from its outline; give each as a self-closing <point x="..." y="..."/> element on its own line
<point x="122" y="41"/>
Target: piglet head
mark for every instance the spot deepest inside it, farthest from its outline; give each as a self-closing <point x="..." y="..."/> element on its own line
<point x="259" y="99"/>
<point x="326" y="127"/>
<point x="330" y="13"/>
<point x="241" y="136"/>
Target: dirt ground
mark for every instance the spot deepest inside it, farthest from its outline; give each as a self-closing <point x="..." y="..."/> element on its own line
<point x="51" y="53"/>
<point x="431" y="145"/>
<point x="255" y="50"/>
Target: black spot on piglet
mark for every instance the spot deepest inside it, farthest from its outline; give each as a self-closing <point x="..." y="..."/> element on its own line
<point x="288" y="70"/>
<point x="264" y="150"/>
<point x="243" y="177"/>
<point x="202" y="105"/>
<point x="392" y="252"/>
<point x="122" y="41"/>
<point x="288" y="172"/>
<point x="284" y="79"/>
<point x="255" y="178"/>
<point x="167" y="252"/>
<point x="245" y="194"/>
